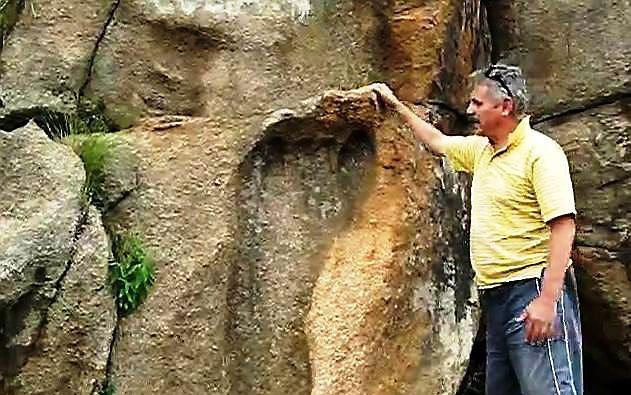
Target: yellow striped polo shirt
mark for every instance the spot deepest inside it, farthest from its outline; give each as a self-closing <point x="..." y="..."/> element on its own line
<point x="516" y="190"/>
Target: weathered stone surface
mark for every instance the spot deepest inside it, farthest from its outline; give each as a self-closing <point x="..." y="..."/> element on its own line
<point x="74" y="348"/>
<point x="40" y="212"/>
<point x="320" y="209"/>
<point x="430" y="47"/>
<point x="233" y="60"/>
<point x="303" y="251"/>
<point x="598" y="145"/>
<point x="230" y="59"/>
<point x="187" y="208"/>
<point x="573" y="52"/>
<point x="41" y="184"/>
<point x="121" y="177"/>
<point x="46" y="59"/>
<point x="387" y="314"/>
<point x="297" y="190"/>
<point x="183" y="208"/>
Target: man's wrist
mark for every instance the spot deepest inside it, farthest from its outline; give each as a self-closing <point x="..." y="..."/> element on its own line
<point x="548" y="297"/>
<point x="400" y="107"/>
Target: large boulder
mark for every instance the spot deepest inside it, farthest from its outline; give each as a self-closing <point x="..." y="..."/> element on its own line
<point x="73" y="350"/>
<point x="598" y="145"/>
<point x="47" y="57"/>
<point x="300" y="260"/>
<point x="574" y="52"/>
<point x="184" y="210"/>
<point x="40" y="203"/>
<point x="230" y="59"/>
<point x="57" y="315"/>
<point x="316" y="249"/>
<point x="240" y="59"/>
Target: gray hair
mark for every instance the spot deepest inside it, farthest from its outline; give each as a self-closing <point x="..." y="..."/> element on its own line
<point x="506" y="82"/>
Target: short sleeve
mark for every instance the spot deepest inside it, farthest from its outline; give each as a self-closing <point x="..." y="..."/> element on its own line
<point x="462" y="151"/>
<point x="552" y="183"/>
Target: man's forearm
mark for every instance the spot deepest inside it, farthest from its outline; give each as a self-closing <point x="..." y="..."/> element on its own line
<point x="561" y="239"/>
<point x="424" y="132"/>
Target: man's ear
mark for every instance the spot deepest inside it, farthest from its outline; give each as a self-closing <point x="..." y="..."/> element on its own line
<point x="508" y="106"/>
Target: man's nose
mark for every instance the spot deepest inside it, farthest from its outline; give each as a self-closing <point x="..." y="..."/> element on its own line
<point x="470" y="111"/>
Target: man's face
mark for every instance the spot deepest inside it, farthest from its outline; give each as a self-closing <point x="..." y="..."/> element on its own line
<point x="487" y="109"/>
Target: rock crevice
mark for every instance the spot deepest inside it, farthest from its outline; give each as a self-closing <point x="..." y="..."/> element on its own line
<point x="110" y="18"/>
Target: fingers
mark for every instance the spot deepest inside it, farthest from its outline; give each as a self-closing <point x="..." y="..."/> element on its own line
<point x="381" y="88"/>
<point x="377" y="101"/>
<point x="529" y="327"/>
<point x="538" y="331"/>
<point x="384" y="94"/>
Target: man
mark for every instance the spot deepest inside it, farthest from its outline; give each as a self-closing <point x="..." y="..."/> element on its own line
<point x="522" y="229"/>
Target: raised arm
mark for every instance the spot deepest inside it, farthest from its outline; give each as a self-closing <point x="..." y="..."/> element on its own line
<point x="424" y="132"/>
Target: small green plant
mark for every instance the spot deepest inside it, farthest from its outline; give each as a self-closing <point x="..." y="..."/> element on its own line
<point x="92" y="112"/>
<point x="89" y="142"/>
<point x="109" y="389"/>
<point x="60" y="126"/>
<point x="95" y="151"/>
<point x="131" y="273"/>
<point x="6" y="22"/>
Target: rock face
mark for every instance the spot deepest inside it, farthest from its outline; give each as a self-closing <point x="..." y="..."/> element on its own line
<point x="47" y="57"/>
<point x="598" y="144"/>
<point x="430" y="47"/>
<point x="253" y="217"/>
<point x="56" y="316"/>
<point x="301" y="247"/>
<point x="575" y="53"/>
<point x="230" y="58"/>
<point x="306" y="274"/>
<point x="74" y="348"/>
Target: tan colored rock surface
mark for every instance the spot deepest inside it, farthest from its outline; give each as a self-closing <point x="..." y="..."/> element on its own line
<point x="432" y="46"/>
<point x="381" y="319"/>
<point x="230" y="59"/>
<point x="46" y="58"/>
<point x="174" y="342"/>
<point x="314" y="249"/>
<point x="244" y="229"/>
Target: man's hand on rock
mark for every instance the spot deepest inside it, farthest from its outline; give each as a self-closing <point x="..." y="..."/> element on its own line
<point x="386" y="94"/>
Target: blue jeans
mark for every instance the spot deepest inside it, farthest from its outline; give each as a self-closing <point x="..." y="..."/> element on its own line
<point x="515" y="367"/>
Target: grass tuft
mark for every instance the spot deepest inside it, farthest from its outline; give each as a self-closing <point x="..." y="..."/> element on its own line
<point x="95" y="151"/>
<point x="89" y="142"/>
<point x="132" y="272"/>
<point x="110" y="389"/>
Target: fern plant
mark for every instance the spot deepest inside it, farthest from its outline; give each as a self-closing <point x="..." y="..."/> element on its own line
<point x="132" y="272"/>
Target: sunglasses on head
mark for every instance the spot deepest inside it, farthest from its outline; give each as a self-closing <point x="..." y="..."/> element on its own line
<point x="489" y="73"/>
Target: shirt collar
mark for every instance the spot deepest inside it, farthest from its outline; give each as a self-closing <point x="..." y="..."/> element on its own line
<point x="519" y="133"/>
<point x="515" y="137"/>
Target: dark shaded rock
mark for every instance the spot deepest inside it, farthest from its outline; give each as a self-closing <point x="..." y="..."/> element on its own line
<point x="598" y="144"/>
<point x="574" y="53"/>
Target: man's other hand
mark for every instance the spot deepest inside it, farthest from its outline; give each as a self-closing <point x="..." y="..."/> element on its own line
<point x="539" y="320"/>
